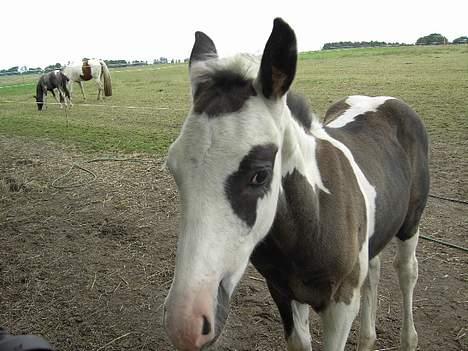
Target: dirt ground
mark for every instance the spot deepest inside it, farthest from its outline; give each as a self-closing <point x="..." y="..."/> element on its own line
<point x="88" y="267"/>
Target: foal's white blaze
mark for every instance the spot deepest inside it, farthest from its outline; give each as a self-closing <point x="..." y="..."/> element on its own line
<point x="358" y="106"/>
<point x="214" y="243"/>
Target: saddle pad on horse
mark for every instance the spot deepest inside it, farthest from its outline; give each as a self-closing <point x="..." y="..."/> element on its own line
<point x="86" y="71"/>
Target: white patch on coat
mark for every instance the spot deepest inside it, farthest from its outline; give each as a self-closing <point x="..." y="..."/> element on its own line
<point x="358" y="105"/>
<point x="367" y="190"/>
<point x="74" y="70"/>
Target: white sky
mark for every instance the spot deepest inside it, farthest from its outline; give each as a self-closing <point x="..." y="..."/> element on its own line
<point x="38" y="33"/>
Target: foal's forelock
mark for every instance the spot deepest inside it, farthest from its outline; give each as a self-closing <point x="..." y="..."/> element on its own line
<point x="244" y="65"/>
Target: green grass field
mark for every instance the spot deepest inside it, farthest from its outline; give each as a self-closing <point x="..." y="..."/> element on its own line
<point x="433" y="80"/>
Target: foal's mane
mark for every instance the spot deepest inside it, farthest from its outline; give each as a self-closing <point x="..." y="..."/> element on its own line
<point x="301" y="112"/>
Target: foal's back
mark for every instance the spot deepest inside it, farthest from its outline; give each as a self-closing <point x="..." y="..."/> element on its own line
<point x="389" y="143"/>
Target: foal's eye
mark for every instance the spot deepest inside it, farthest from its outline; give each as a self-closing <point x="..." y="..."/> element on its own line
<point x="259" y="178"/>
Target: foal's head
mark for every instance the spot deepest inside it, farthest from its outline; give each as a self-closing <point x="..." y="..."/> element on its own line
<point x="39" y="97"/>
<point x="227" y="166"/>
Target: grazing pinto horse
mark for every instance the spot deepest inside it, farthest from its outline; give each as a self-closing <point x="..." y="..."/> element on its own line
<point x="87" y="70"/>
<point x="311" y="205"/>
<point x="52" y="81"/>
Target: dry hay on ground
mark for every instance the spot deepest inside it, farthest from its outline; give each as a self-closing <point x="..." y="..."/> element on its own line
<point x="88" y="267"/>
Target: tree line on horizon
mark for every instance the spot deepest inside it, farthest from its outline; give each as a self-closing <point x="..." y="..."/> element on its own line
<point x="110" y="63"/>
<point x="431" y="39"/>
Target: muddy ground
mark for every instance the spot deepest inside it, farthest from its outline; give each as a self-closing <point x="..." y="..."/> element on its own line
<point x="88" y="267"/>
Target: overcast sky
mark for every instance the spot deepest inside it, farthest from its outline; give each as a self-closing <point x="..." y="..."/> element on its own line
<point x="38" y="33"/>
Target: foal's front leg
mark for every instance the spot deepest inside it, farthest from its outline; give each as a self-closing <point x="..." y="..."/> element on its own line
<point x="337" y="319"/>
<point x="343" y="308"/>
<point x="295" y="318"/>
<point x="300" y="335"/>
<point x="56" y="99"/>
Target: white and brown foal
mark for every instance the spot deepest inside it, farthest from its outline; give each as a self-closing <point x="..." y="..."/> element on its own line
<point x="310" y="205"/>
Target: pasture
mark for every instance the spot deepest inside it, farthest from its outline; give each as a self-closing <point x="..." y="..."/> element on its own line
<point x="89" y="266"/>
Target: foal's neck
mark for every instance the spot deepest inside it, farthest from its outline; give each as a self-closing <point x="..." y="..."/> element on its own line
<point x="299" y="151"/>
<point x="39" y="89"/>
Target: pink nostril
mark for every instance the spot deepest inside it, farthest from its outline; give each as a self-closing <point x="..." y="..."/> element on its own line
<point x="206" y="329"/>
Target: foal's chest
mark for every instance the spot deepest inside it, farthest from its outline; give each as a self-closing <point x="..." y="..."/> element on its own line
<point x="311" y="252"/>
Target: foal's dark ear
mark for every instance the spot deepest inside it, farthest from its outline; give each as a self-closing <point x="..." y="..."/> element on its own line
<point x="278" y="66"/>
<point x="203" y="48"/>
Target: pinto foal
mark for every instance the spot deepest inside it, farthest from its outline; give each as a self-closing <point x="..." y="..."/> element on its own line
<point x="55" y="82"/>
<point x="311" y="205"/>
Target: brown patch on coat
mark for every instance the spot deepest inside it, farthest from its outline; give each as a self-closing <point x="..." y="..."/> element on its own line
<point x="391" y="148"/>
<point x="345" y="222"/>
<point x="86" y="68"/>
<point x="311" y="253"/>
<point x="347" y="289"/>
<point x="221" y="93"/>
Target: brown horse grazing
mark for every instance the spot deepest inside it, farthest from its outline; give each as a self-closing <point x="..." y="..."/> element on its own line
<point x="52" y="81"/>
<point x="311" y="205"/>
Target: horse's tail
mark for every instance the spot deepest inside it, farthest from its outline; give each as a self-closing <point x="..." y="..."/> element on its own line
<point x="107" y="79"/>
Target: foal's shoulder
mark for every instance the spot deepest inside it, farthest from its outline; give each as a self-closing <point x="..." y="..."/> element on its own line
<point x="345" y="110"/>
<point x="336" y="110"/>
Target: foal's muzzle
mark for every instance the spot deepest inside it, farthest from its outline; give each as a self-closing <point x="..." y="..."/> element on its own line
<point x="195" y="320"/>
